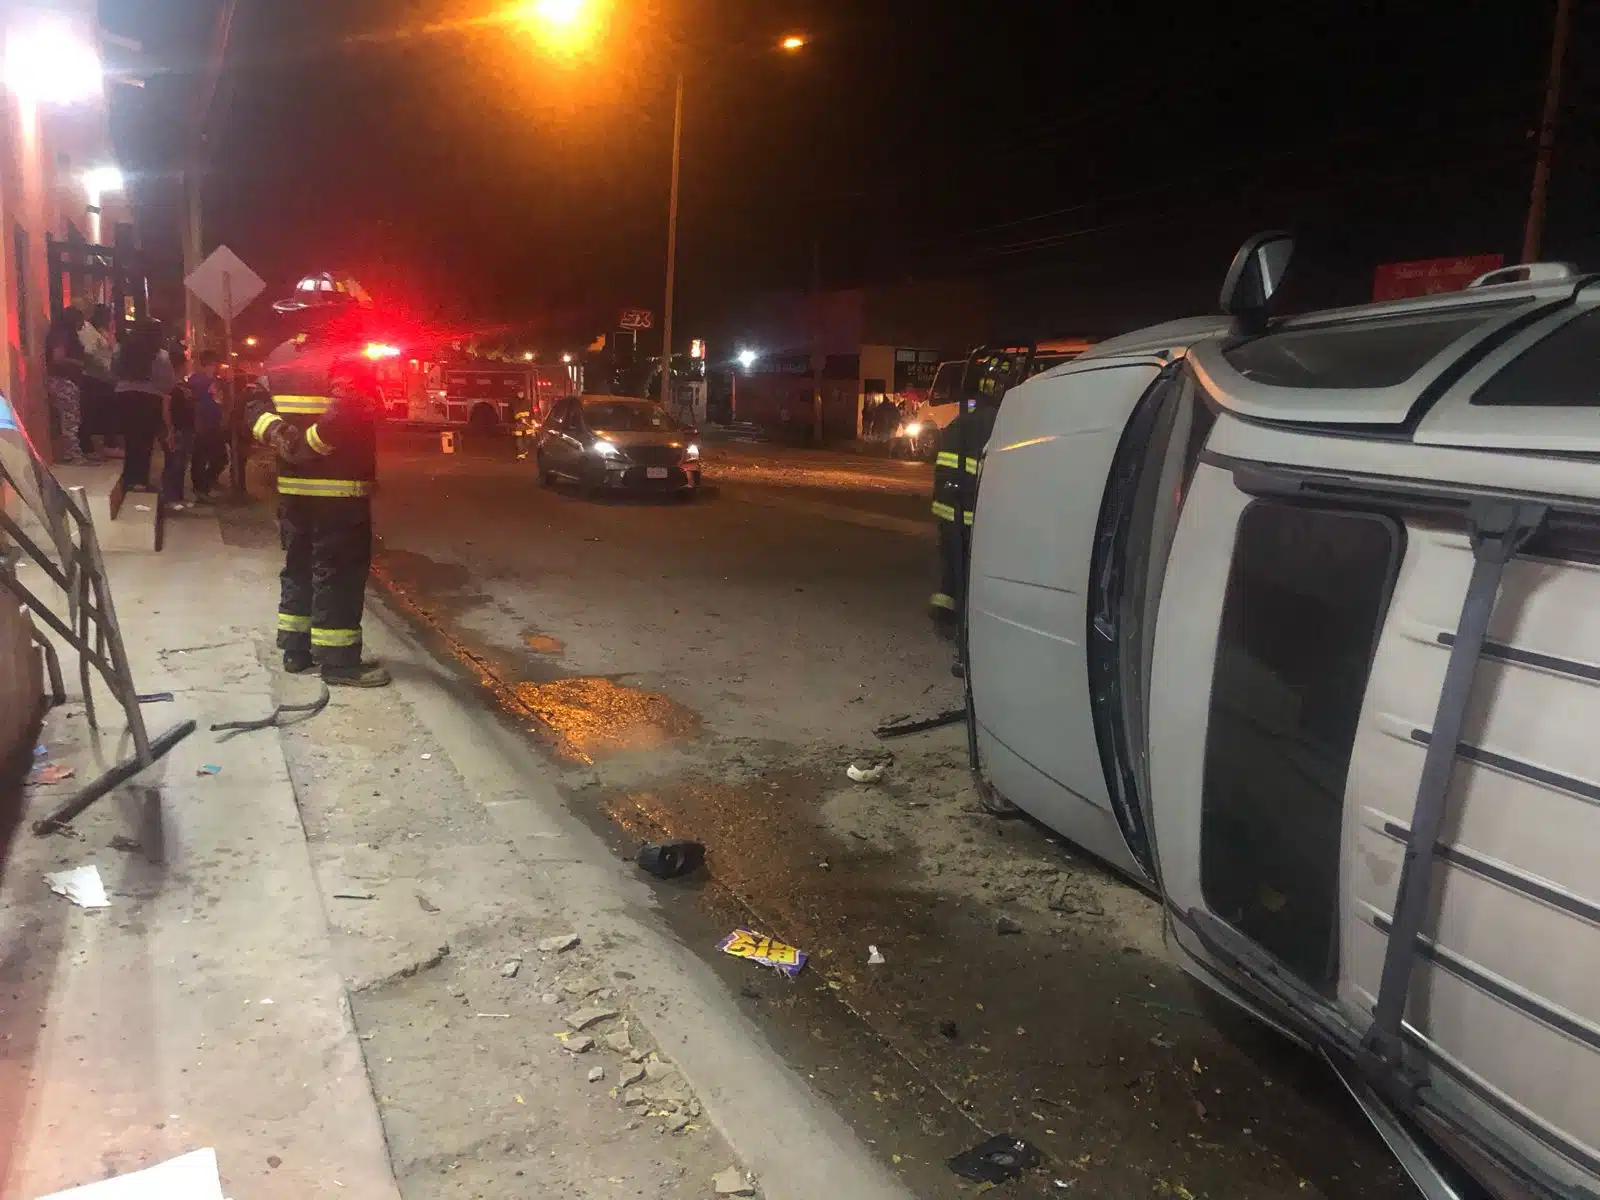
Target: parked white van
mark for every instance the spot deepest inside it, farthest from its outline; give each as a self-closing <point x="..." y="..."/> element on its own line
<point x="1308" y="642"/>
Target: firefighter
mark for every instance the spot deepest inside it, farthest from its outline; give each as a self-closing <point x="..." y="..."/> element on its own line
<point x="523" y="426"/>
<point x="960" y="449"/>
<point x="317" y="409"/>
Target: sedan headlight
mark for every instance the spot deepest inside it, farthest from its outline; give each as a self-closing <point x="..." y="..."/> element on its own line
<point x="691" y="451"/>
<point x="914" y="429"/>
<point x="605" y="449"/>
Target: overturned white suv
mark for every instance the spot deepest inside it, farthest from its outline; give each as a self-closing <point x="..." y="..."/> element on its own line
<point x="1306" y="637"/>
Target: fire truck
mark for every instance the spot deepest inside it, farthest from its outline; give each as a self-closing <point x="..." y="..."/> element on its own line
<point x="483" y="395"/>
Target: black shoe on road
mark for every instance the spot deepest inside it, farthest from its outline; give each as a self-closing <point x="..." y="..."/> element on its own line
<point x="367" y="675"/>
<point x="297" y="664"/>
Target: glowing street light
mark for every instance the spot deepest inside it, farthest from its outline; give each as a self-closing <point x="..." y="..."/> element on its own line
<point x="250" y="341"/>
<point x="49" y="64"/>
<point x="747" y="358"/>
<point x="527" y="356"/>
<point x="563" y="26"/>
<point x="793" y="43"/>
<point x="567" y="358"/>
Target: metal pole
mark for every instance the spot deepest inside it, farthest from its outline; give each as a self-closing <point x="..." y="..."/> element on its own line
<point x="672" y="248"/>
<point x="1533" y="231"/>
<point x="194" y="312"/>
<point x="236" y="444"/>
<point x="816" y="339"/>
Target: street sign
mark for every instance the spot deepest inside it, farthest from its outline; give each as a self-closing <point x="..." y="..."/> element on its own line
<point x="637" y="318"/>
<point x="224" y="284"/>
<point x="1429" y="276"/>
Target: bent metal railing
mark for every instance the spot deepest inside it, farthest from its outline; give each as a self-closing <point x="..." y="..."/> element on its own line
<point x="69" y="556"/>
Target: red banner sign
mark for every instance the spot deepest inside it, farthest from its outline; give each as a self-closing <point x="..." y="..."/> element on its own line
<point x="1427" y="276"/>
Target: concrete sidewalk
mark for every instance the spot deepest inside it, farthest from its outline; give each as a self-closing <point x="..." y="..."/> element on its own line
<point x="202" y="1008"/>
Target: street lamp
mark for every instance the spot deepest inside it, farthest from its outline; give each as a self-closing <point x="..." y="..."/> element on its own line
<point x="527" y="356"/>
<point x="747" y="358"/>
<point x="792" y="44"/>
<point x="49" y="63"/>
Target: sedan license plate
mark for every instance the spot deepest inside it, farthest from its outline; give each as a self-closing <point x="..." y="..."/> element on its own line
<point x="655" y="472"/>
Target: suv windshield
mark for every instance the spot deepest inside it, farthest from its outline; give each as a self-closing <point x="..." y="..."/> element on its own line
<point x="636" y="416"/>
<point x="1374" y="353"/>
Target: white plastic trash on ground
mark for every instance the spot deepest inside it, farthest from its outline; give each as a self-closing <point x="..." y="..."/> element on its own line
<point x="189" y="1177"/>
<point x="81" y="885"/>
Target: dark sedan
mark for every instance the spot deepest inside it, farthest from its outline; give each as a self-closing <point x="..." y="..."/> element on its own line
<point x="616" y="443"/>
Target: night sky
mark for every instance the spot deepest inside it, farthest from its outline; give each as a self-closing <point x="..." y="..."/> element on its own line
<point x="1096" y="164"/>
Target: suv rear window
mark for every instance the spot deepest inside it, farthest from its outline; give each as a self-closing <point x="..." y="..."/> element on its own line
<point x="1366" y="354"/>
<point x="1562" y="371"/>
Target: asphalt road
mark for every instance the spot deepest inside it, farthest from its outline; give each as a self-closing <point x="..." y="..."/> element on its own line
<point x="709" y="670"/>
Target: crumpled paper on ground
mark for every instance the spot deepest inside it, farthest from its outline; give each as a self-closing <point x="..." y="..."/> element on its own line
<point x="82" y="885"/>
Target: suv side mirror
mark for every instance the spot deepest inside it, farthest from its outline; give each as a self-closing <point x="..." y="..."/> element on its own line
<point x="1254" y="277"/>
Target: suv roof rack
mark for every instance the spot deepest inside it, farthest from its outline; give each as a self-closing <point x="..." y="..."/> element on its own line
<point x="1539" y="272"/>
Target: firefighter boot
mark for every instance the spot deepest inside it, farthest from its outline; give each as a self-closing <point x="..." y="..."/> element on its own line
<point x="297" y="662"/>
<point x="363" y="675"/>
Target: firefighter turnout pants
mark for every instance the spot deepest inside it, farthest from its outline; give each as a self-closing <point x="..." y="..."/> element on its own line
<point x="953" y="543"/>
<point x="327" y="552"/>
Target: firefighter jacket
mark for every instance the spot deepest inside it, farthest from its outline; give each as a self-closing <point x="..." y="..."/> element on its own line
<point x="318" y="410"/>
<point x="960" y="450"/>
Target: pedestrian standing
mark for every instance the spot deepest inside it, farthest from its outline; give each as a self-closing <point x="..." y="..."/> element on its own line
<point x="63" y="375"/>
<point x="180" y="423"/>
<point x="96" y="386"/>
<point x="144" y="390"/>
<point x="210" y="453"/>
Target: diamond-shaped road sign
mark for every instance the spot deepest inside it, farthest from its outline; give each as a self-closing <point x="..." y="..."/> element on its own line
<point x="224" y="284"/>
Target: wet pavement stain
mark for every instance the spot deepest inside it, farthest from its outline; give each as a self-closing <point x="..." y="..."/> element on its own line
<point x="594" y="716"/>
<point x="1128" y="1081"/>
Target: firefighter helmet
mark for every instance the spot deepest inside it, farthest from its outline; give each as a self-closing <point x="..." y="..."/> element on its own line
<point x="325" y="290"/>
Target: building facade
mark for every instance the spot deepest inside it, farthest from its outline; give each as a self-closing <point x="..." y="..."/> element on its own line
<point x="61" y="194"/>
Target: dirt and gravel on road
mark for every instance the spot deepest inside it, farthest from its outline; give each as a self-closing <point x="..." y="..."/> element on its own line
<point x="709" y="672"/>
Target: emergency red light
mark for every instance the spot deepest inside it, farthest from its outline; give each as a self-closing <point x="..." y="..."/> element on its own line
<point x="377" y="350"/>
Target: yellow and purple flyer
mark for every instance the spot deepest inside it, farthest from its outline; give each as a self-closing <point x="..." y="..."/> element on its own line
<point x="758" y="947"/>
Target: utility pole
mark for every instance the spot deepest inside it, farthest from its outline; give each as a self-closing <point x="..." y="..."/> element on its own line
<point x="672" y="249"/>
<point x="816" y="339"/>
<point x="1533" y="231"/>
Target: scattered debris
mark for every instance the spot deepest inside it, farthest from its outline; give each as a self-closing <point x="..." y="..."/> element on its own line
<point x="631" y="1074"/>
<point x="510" y="969"/>
<point x="191" y="1176"/>
<point x="427" y="905"/>
<point x="82" y="885"/>
<point x="548" y="998"/>
<point x="671" y="860"/>
<point x="584" y="985"/>
<point x="355" y="896"/>
<point x="209" y="769"/>
<point x="950" y="1030"/>
<point x="1162" y="1042"/>
<point x="867" y="774"/>
<point x="426" y="757"/>
<point x="274" y="717"/>
<point x="155" y="697"/>
<point x="52" y="773"/>
<point x="1074" y="894"/>
<point x="874" y="959"/>
<point x="759" y="948"/>
<point x="636" y="1097"/>
<point x="126" y="844"/>
<point x="732" y="1182"/>
<point x="596" y="1074"/>
<point x="558" y="944"/>
<point x="677" y="1122"/>
<point x="900" y="728"/>
<point x="1006" y="925"/>
<point x="581" y="1044"/>
<point x="619" y="1041"/>
<point x="492" y="1016"/>
<point x="586" y="1017"/>
<point x="1004" y="1156"/>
